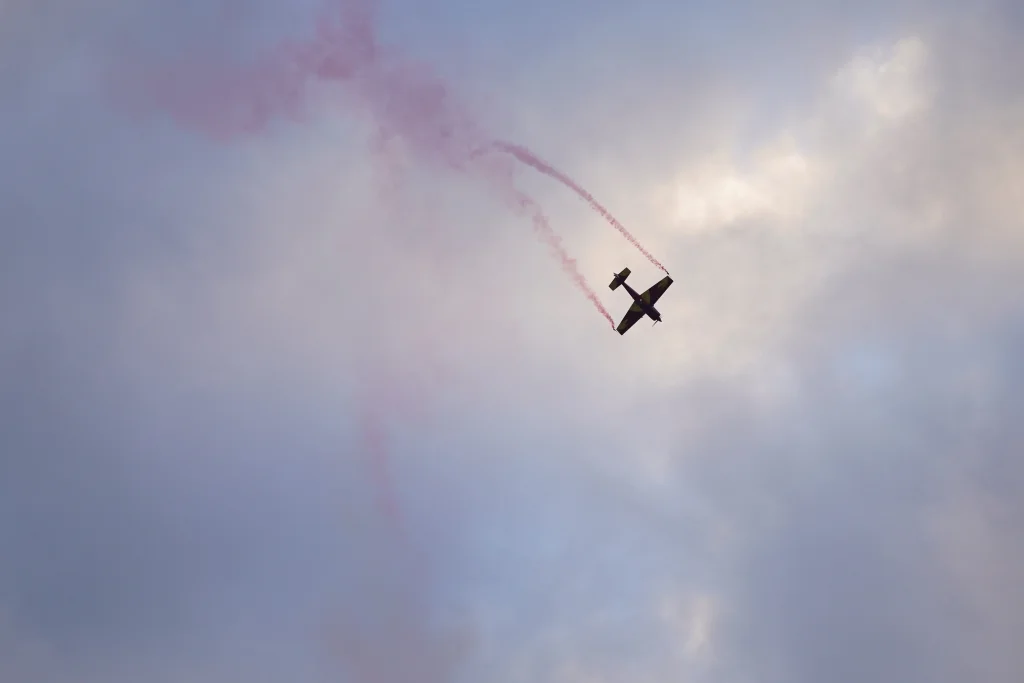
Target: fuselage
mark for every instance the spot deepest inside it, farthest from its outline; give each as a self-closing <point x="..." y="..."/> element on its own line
<point x="647" y="308"/>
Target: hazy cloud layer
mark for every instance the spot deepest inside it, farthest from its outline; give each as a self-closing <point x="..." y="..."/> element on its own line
<point x="809" y="472"/>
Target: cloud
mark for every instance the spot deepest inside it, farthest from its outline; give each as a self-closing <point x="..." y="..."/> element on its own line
<point x="807" y="473"/>
<point x="888" y="82"/>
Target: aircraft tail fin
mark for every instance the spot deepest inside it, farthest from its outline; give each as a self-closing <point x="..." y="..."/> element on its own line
<point x="619" y="279"/>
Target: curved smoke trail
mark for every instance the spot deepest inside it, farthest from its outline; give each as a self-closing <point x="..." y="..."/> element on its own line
<point x="404" y="99"/>
<point x="530" y="159"/>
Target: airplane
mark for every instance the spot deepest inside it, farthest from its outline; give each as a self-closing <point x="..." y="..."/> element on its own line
<point x="643" y="304"/>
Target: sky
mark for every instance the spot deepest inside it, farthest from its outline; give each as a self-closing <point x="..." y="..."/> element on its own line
<point x="296" y="404"/>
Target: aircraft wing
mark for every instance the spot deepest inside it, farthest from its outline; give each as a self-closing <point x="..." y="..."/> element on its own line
<point x="652" y="295"/>
<point x="632" y="315"/>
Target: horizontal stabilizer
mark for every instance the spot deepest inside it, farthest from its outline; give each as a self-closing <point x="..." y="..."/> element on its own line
<point x="619" y="279"/>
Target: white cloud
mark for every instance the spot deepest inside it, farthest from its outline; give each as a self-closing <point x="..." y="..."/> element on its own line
<point x="782" y="178"/>
<point x="691" y="619"/>
<point x="718" y="192"/>
<point x="889" y="82"/>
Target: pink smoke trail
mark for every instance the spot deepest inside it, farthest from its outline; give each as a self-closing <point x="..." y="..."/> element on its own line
<point x="548" y="236"/>
<point x="408" y="104"/>
<point x="374" y="438"/>
<point x="405" y="100"/>
<point x="529" y="158"/>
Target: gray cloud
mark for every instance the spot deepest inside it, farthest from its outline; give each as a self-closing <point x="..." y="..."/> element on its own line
<point x="183" y="496"/>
